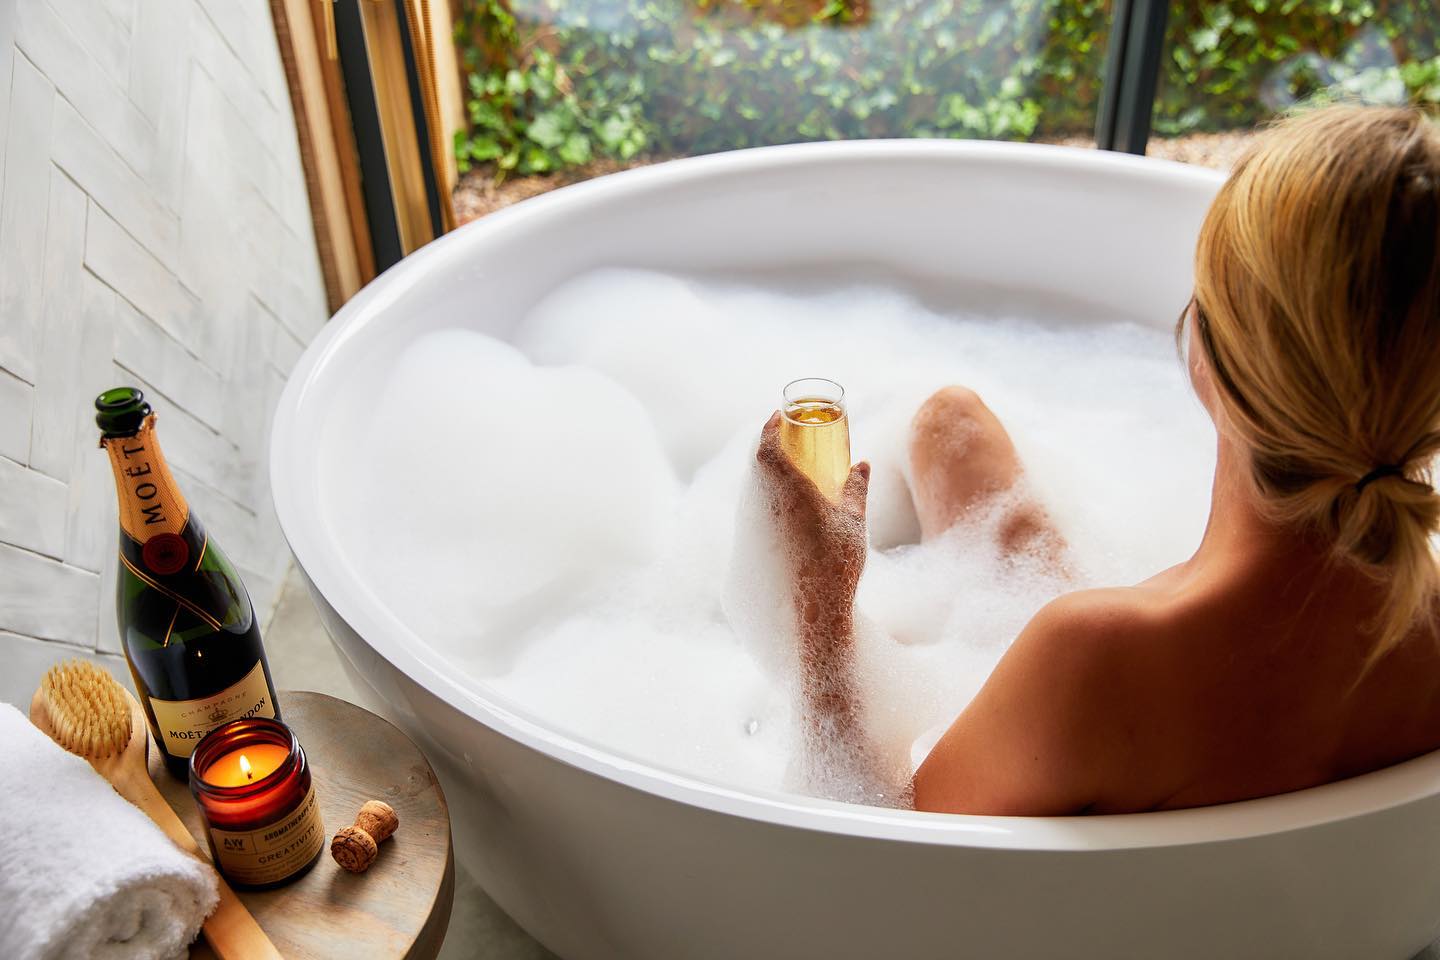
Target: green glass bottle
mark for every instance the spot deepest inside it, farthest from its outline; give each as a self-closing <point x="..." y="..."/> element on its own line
<point x="186" y="621"/>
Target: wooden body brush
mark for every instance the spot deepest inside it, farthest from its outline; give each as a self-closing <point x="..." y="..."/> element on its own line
<point x="83" y="708"/>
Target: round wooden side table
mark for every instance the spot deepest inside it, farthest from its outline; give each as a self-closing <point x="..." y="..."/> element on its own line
<point x="400" y="907"/>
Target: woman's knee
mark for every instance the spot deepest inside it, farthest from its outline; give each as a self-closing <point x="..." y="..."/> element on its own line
<point x="951" y="404"/>
<point x="952" y="419"/>
<point x="958" y="448"/>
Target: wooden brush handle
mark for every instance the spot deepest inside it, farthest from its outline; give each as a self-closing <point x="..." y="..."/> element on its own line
<point x="231" y="930"/>
<point x="233" y="933"/>
<point x="140" y="790"/>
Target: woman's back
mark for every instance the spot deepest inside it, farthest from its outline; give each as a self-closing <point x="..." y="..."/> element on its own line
<point x="1230" y="677"/>
<point x="1240" y="680"/>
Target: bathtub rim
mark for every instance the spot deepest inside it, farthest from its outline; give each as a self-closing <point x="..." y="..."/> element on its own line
<point x="391" y="639"/>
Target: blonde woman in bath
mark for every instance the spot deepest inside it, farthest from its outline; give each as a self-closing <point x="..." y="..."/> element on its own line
<point x="1299" y="645"/>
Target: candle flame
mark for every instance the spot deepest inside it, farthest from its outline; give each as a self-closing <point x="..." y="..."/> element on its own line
<point x="245" y="766"/>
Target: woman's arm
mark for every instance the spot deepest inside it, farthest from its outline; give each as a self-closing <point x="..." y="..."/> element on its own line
<point x="825" y="543"/>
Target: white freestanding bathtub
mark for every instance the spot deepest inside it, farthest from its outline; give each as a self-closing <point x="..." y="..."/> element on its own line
<point x="602" y="856"/>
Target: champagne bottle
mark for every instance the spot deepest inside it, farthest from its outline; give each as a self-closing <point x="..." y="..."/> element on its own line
<point x="186" y="621"/>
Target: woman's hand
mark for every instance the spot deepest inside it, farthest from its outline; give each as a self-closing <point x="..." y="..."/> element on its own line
<point x="824" y="541"/>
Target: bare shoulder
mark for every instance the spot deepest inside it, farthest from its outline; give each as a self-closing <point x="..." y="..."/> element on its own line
<point x="1086" y="636"/>
<point x="1088" y="621"/>
<point x="1043" y="734"/>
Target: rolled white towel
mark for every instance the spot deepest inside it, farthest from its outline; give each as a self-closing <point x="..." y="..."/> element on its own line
<point x="83" y="872"/>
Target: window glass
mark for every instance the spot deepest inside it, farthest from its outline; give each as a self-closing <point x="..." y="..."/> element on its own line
<point x="568" y="88"/>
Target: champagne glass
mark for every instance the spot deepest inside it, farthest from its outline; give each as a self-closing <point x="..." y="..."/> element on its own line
<point x="815" y="432"/>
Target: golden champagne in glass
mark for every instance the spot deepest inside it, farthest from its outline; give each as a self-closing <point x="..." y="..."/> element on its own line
<point x="815" y="432"/>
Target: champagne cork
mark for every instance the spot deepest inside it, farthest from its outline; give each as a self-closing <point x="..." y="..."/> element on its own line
<point x="356" y="847"/>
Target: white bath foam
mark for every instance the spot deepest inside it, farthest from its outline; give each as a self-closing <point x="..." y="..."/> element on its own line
<point x="885" y="435"/>
<point x="619" y="635"/>
<point x="666" y="347"/>
<point x="505" y="496"/>
<point x="680" y="696"/>
<point x="695" y="557"/>
<point x="754" y="586"/>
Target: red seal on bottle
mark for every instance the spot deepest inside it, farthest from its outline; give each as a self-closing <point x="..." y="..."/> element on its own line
<point x="165" y="553"/>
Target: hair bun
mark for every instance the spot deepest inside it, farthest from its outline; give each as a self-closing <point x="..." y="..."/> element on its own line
<point x="1371" y="528"/>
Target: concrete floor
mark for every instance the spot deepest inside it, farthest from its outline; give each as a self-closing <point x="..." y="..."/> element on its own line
<point x="302" y="658"/>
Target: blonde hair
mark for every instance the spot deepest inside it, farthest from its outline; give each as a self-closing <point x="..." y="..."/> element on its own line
<point x="1317" y="295"/>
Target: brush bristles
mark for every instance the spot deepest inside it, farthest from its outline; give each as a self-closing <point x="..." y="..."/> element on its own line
<point x="88" y="711"/>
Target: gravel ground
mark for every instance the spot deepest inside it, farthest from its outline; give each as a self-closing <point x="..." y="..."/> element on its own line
<point x="1218" y="150"/>
<point x="477" y="193"/>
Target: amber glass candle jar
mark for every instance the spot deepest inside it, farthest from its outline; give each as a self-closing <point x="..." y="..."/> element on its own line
<point x="252" y="784"/>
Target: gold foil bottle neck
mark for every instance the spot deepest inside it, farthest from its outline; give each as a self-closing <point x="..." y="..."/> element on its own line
<point x="149" y="499"/>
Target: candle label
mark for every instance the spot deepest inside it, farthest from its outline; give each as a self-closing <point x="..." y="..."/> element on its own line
<point x="182" y="723"/>
<point x="271" y="852"/>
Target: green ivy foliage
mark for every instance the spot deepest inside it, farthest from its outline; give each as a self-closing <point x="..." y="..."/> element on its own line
<point x="556" y="84"/>
<point x="1233" y="65"/>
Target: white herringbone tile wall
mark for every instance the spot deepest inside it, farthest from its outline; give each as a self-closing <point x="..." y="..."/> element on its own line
<point x="154" y="231"/>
